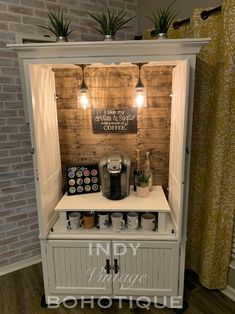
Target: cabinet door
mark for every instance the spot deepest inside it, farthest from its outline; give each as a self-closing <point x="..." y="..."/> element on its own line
<point x="45" y="137"/>
<point x="77" y="267"/>
<point x="179" y="128"/>
<point x="151" y="269"/>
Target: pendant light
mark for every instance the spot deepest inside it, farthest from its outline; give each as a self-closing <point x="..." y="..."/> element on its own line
<point x="140" y="97"/>
<point x="83" y="93"/>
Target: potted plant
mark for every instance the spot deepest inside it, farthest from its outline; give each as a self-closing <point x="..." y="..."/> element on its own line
<point x="58" y="25"/>
<point x="110" y="22"/>
<point x="162" y="19"/>
<point x="142" y="189"/>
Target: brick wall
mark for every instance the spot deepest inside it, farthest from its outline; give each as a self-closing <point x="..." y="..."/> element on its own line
<point x="18" y="216"/>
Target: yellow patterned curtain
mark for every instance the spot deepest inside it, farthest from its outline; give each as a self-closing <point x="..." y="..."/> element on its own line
<point x="212" y="177"/>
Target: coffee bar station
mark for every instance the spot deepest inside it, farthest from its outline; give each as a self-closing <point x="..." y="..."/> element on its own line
<point x="118" y="208"/>
<point x="110" y="127"/>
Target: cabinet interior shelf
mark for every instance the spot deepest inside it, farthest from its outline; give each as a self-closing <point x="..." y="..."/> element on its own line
<point x="60" y="231"/>
<point x="155" y="202"/>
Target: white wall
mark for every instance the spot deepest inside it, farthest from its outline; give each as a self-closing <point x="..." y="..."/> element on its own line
<point x="184" y="8"/>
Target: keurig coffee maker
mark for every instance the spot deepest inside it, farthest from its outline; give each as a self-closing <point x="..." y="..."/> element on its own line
<point x="115" y="175"/>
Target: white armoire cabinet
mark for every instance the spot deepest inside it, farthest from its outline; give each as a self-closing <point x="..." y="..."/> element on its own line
<point x="71" y="265"/>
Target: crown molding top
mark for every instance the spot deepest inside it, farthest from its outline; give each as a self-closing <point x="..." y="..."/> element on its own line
<point x="121" y="49"/>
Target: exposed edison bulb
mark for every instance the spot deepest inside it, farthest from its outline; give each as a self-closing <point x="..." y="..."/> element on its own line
<point x="139" y="100"/>
<point x="84" y="99"/>
<point x="140" y="97"/>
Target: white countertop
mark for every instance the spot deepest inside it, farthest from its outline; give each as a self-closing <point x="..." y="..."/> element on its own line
<point x="156" y="201"/>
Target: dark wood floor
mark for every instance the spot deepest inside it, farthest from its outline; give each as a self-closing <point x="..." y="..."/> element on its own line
<point x="21" y="291"/>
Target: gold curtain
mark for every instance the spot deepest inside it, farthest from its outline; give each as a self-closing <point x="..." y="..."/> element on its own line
<point x="212" y="175"/>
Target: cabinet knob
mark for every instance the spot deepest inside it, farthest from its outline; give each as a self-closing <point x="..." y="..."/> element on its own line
<point x="107" y="266"/>
<point x="116" y="267"/>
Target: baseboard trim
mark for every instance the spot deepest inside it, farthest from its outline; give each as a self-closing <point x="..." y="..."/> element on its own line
<point x="229" y="292"/>
<point x="19" y="265"/>
<point x="232" y="264"/>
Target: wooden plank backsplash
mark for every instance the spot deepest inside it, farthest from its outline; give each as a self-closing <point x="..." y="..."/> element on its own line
<point x="113" y="87"/>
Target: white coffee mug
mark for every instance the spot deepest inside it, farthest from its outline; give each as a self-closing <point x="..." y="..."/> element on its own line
<point x="148" y="221"/>
<point x="103" y="221"/>
<point x="132" y="220"/>
<point x="117" y="221"/>
<point x="73" y="221"/>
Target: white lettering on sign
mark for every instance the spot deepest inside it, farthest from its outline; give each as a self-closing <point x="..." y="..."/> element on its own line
<point x="111" y="120"/>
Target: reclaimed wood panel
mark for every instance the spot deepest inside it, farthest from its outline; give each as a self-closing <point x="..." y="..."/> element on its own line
<point x="113" y="87"/>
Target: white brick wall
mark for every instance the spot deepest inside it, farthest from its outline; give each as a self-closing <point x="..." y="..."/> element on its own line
<point x="18" y="215"/>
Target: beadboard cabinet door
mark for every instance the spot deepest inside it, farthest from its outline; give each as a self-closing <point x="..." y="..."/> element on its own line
<point x="78" y="267"/>
<point x="46" y="147"/>
<point x="147" y="268"/>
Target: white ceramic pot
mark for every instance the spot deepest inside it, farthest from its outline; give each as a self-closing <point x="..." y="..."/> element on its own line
<point x="142" y="191"/>
<point x="162" y="36"/>
<point x="109" y="37"/>
<point x="61" y="39"/>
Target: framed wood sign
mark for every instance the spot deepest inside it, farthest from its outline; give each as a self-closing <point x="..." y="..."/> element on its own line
<point x="114" y="120"/>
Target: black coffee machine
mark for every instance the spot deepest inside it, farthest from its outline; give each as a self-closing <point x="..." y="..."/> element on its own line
<point x="115" y="175"/>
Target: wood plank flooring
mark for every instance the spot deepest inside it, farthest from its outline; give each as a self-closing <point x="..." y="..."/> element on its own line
<point x="21" y="291"/>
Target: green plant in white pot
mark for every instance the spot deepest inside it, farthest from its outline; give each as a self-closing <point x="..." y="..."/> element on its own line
<point x="110" y="22"/>
<point x="58" y="25"/>
<point x="142" y="188"/>
<point x="162" y="19"/>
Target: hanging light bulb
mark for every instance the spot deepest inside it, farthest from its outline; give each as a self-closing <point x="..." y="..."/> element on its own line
<point x="140" y="97"/>
<point x="84" y="99"/>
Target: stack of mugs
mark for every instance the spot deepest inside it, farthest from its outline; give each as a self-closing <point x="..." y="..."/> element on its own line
<point x="88" y="221"/>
